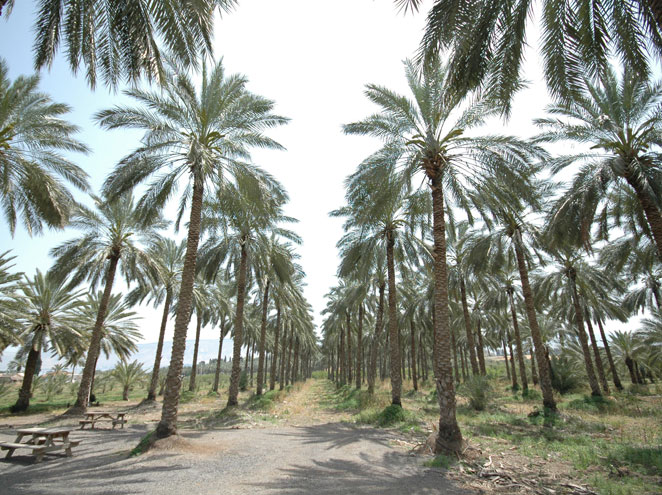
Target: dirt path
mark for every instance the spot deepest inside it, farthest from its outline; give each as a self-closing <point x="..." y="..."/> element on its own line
<point x="308" y="450"/>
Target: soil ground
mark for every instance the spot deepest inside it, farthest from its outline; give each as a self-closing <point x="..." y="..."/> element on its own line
<point x="299" y="447"/>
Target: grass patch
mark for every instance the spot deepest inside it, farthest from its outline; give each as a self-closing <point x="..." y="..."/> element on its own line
<point x="266" y="401"/>
<point x="143" y="446"/>
<point x="441" y="461"/>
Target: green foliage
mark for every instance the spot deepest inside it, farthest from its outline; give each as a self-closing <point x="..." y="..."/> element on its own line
<point x="479" y="392"/>
<point x="53" y="384"/>
<point x="565" y="375"/>
<point x="266" y="401"/>
<point x="390" y="415"/>
<point x="591" y="403"/>
<point x="441" y="461"/>
<point x="143" y="446"/>
<point x="531" y="394"/>
<point x="243" y="381"/>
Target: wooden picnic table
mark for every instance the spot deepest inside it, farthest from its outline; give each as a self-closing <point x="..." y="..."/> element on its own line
<point x="91" y="417"/>
<point x="41" y="441"/>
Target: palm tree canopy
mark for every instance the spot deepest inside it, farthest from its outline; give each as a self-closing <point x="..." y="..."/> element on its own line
<point x="9" y="305"/>
<point x="488" y="38"/>
<point x="201" y="136"/>
<point x="32" y="136"/>
<point x="119" y="41"/>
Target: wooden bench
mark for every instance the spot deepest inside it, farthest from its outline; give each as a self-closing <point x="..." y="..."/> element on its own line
<point x="42" y="441"/>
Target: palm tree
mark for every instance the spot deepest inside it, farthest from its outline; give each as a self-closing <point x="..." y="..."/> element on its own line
<point x="128" y="375"/>
<point x="47" y="321"/>
<point x="9" y="307"/>
<point x="430" y="140"/>
<point x="197" y="138"/>
<point x="237" y="222"/>
<point x="620" y="120"/>
<point x="487" y="40"/>
<point x="629" y="348"/>
<point x="159" y="287"/>
<point x="111" y="240"/>
<point x="121" y="40"/>
<point x="32" y="137"/>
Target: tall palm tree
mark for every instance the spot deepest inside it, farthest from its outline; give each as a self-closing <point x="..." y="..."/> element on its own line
<point x="159" y="287"/>
<point x="620" y="120"/>
<point x="195" y="137"/>
<point x="236" y="222"/>
<point x="119" y="42"/>
<point x="33" y="136"/>
<point x="111" y="240"/>
<point x="47" y="320"/>
<point x="9" y="307"/>
<point x="487" y="40"/>
<point x="429" y="133"/>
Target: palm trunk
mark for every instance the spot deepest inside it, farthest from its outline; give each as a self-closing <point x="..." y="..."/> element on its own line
<point x="238" y="327"/>
<point x="449" y="437"/>
<point x="656" y="9"/>
<point x="534" y="374"/>
<point x="467" y="327"/>
<point x="518" y="343"/>
<point x="125" y="392"/>
<point x="349" y="348"/>
<point x="359" y="348"/>
<point x="281" y="378"/>
<point x="413" y="354"/>
<point x="95" y="341"/>
<point x="217" y="375"/>
<point x="596" y="355"/>
<point x="274" y="354"/>
<point x="543" y="367"/>
<point x="154" y="382"/>
<point x="579" y="322"/>
<point x="290" y="345"/>
<point x="610" y="359"/>
<point x="455" y="364"/>
<point x="25" y="392"/>
<point x="252" y="361"/>
<point x="168" y="424"/>
<point x="480" y="348"/>
<point x="396" y="373"/>
<point x="512" y="364"/>
<point x="374" y="348"/>
<point x="505" y="356"/>
<point x="194" y="366"/>
<point x="295" y="364"/>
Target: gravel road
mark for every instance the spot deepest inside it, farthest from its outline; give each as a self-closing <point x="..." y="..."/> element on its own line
<point x="333" y="458"/>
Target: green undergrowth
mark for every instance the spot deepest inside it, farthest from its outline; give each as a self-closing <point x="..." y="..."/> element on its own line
<point x="267" y="400"/>
<point x="441" y="461"/>
<point x="144" y="444"/>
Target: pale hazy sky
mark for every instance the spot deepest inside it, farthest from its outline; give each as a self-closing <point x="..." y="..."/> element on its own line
<point x="313" y="58"/>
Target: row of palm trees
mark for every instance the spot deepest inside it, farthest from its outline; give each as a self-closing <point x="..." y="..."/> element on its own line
<point x="478" y="243"/>
<point x="198" y="140"/>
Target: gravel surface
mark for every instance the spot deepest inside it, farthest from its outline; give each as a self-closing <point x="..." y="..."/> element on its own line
<point x="333" y="458"/>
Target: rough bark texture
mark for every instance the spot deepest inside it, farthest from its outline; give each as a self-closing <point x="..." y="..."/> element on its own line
<point x="596" y="356"/>
<point x="359" y="348"/>
<point x="579" y="322"/>
<point x="610" y="359"/>
<point x="95" y="340"/>
<point x="449" y="437"/>
<point x="217" y="374"/>
<point x="480" y="350"/>
<point x="196" y="346"/>
<point x="238" y="327"/>
<point x="512" y="363"/>
<point x="534" y="373"/>
<point x="518" y="341"/>
<point x="455" y="364"/>
<point x="467" y="326"/>
<point x="154" y="381"/>
<point x="168" y="424"/>
<point x="349" y="348"/>
<point x="653" y="216"/>
<point x="505" y="356"/>
<point x="290" y="345"/>
<point x="414" y="376"/>
<point x="543" y="367"/>
<point x="372" y="369"/>
<point x="274" y="355"/>
<point x="263" y="338"/>
<point x="283" y="348"/>
<point x="396" y="372"/>
<point x="25" y="392"/>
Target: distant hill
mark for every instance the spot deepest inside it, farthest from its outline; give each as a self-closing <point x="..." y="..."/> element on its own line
<point x="146" y="351"/>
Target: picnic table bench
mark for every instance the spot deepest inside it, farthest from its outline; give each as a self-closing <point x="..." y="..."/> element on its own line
<point x="91" y="417"/>
<point x="42" y="441"/>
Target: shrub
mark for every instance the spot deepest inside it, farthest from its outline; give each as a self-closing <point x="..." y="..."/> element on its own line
<point x="479" y="392"/>
<point x="390" y="415"/>
<point x="243" y="381"/>
<point x="565" y="376"/>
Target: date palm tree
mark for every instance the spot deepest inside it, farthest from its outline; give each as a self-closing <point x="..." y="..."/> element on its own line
<point x="159" y="287"/>
<point x="9" y="307"/>
<point x="120" y="41"/>
<point x="33" y="136"/>
<point x="430" y="132"/>
<point x="487" y="40"/>
<point x="128" y="375"/>
<point x="236" y="222"/>
<point x="113" y="235"/>
<point x="197" y="138"/>
<point x="620" y="119"/>
<point x="47" y="321"/>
